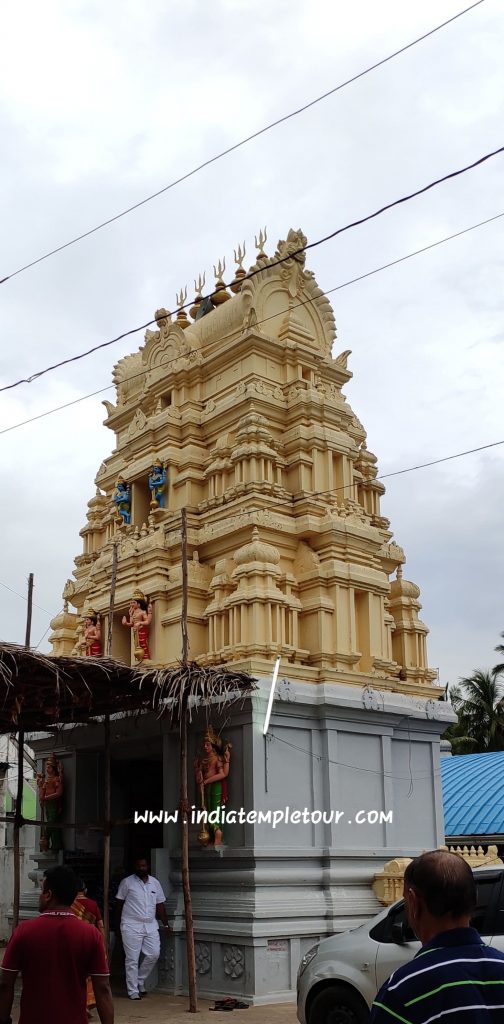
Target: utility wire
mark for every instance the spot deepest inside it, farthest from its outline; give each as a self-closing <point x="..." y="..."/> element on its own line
<point x="238" y="145"/>
<point x="258" y="269"/>
<point x="426" y="774"/>
<point x="23" y="598"/>
<point x="304" y="302"/>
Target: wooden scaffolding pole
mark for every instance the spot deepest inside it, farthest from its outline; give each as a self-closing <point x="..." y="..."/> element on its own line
<point x="18" y="817"/>
<point x="106" y="763"/>
<point x="184" y="801"/>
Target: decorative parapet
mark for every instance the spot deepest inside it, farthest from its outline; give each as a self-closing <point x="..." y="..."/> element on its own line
<point x="476" y="856"/>
<point x="388" y="883"/>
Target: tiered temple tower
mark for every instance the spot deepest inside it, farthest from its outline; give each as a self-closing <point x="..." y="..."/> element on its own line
<point x="290" y="555"/>
<point x="289" y="552"/>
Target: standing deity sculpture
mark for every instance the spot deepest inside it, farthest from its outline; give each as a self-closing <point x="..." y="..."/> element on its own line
<point x="50" y="791"/>
<point x="211" y="772"/>
<point x="91" y="644"/>
<point x="122" y="501"/>
<point x="139" y="620"/>
<point x="157" y="484"/>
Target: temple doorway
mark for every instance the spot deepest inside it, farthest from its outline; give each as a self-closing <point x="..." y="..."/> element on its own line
<point x="137" y="786"/>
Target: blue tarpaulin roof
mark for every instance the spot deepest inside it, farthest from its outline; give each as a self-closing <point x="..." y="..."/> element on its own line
<point x="473" y="794"/>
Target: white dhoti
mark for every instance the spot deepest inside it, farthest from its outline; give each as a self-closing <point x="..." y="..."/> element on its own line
<point x="137" y="942"/>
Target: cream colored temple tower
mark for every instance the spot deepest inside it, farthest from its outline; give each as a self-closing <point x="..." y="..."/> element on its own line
<point x="289" y="554"/>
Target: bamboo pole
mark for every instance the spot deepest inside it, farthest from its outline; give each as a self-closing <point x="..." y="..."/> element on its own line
<point x="106" y="763"/>
<point x="185" y="634"/>
<point x="106" y="831"/>
<point x="29" y="611"/>
<point x="18" y="817"/>
<point x="184" y="801"/>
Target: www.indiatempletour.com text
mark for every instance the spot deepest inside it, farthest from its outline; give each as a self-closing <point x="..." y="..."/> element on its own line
<point x="281" y="816"/>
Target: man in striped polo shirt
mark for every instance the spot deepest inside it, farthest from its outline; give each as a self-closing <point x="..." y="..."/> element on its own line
<point x="454" y="977"/>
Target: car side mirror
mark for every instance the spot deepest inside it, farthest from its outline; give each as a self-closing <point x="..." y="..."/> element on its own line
<point x="398" y="933"/>
<point x="401" y="933"/>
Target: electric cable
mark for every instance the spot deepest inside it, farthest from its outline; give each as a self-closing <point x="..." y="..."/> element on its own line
<point x="428" y="774"/>
<point x="304" y="302"/>
<point x="270" y="264"/>
<point x="24" y="598"/>
<point x="238" y="145"/>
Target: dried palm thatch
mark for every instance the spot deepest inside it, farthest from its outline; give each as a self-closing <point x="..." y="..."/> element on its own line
<point x="180" y="691"/>
<point x="38" y="690"/>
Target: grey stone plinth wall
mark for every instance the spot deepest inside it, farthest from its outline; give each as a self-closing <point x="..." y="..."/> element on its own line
<point x="271" y="892"/>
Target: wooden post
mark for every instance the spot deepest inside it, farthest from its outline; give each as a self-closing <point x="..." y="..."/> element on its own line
<point x="17" y="825"/>
<point x="186" y="885"/>
<point x="106" y="763"/>
<point x="185" y="634"/>
<point x="184" y="801"/>
<point x="106" y="831"/>
<point x="29" y="610"/>
<point x="108" y="646"/>
<point x="18" y="817"/>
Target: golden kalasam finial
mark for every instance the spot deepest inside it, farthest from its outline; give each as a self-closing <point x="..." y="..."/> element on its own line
<point x="259" y="242"/>
<point x="198" y="287"/>
<point x="181" y="299"/>
<point x="220" y="294"/>
<point x="239" y="256"/>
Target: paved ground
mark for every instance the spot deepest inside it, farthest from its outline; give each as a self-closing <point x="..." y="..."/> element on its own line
<point x="173" y="1010"/>
<point x="159" y="1009"/>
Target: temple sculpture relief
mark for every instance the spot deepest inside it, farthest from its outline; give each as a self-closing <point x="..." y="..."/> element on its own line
<point x="138" y="620"/>
<point x="211" y="770"/>
<point x="50" y="792"/>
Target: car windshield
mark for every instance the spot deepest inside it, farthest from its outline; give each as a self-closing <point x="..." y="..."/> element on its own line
<point x="395" y="928"/>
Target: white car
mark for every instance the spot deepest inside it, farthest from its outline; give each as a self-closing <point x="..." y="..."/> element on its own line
<point x="340" y="976"/>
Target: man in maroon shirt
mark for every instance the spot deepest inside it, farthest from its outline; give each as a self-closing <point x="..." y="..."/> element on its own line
<point x="55" y="954"/>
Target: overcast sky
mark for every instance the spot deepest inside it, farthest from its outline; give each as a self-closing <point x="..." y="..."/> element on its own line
<point x="102" y="104"/>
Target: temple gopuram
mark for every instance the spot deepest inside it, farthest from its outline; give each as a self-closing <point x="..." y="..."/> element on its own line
<point x="234" y="411"/>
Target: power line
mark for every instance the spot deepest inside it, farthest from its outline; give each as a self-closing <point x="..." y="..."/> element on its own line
<point x="426" y="774"/>
<point x="338" y="287"/>
<point x="269" y="265"/>
<point x="238" y="145"/>
<point x="23" y="598"/>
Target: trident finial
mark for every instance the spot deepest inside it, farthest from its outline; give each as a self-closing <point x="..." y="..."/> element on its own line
<point x="260" y="242"/>
<point x="200" y="283"/>
<point x="198" y="298"/>
<point x="239" y="256"/>
<point x="219" y="269"/>
<point x="181" y="297"/>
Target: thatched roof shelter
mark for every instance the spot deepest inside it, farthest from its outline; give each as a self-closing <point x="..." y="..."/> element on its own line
<point x="38" y="690"/>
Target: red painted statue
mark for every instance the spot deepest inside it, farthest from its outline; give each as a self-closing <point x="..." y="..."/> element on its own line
<point x="140" y="618"/>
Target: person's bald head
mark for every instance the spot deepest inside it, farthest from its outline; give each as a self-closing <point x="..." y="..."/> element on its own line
<point x="440" y="893"/>
<point x="444" y="881"/>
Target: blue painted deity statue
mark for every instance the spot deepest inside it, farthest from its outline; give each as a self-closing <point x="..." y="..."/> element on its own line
<point x="157" y="484"/>
<point x="122" y="500"/>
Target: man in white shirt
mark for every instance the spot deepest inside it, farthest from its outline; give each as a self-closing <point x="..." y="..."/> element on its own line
<point x="140" y="900"/>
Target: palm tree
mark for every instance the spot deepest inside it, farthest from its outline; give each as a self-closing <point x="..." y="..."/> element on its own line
<point x="500" y="650"/>
<point x="479" y="704"/>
